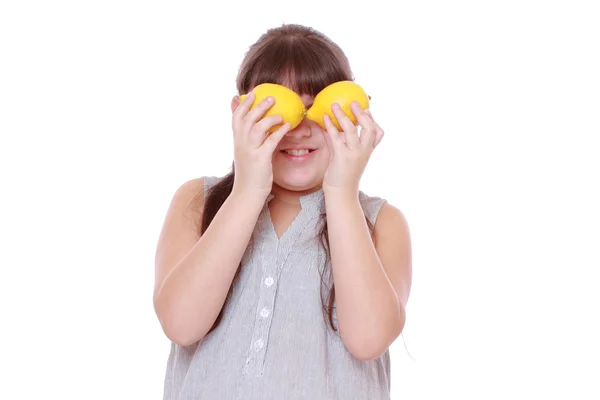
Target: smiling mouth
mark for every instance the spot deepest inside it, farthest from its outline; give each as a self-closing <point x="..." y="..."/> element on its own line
<point x="298" y="152"/>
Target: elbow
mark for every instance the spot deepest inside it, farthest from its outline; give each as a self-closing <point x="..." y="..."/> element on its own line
<point x="372" y="345"/>
<point x="175" y="327"/>
<point x="181" y="339"/>
<point x="368" y="351"/>
<point x="365" y="353"/>
<point x="179" y="335"/>
<point x="368" y="356"/>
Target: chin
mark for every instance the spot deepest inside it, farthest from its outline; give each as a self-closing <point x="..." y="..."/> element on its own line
<point x="299" y="176"/>
<point x="298" y="180"/>
<point x="296" y="183"/>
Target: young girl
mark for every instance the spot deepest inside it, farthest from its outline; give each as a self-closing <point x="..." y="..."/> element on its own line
<point x="282" y="280"/>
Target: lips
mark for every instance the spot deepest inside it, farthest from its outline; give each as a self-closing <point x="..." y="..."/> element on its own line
<point x="298" y="155"/>
<point x="297" y="152"/>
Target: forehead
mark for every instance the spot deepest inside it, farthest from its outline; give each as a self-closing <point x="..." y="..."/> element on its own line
<point x="289" y="82"/>
<point x="307" y="99"/>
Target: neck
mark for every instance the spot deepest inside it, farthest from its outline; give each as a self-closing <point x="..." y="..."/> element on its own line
<point x="291" y="197"/>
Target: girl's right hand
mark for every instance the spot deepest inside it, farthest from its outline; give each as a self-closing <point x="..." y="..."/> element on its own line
<point x="254" y="146"/>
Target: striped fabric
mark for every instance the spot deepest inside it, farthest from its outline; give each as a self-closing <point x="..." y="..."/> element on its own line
<point x="273" y="342"/>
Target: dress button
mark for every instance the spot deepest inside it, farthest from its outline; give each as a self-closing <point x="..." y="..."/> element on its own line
<point x="269" y="281"/>
<point x="264" y="312"/>
<point x="259" y="344"/>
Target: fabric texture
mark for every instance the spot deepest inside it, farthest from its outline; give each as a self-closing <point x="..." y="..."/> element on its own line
<point x="273" y="342"/>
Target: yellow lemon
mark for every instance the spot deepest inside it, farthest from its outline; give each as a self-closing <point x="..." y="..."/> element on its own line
<point x="343" y="93"/>
<point x="287" y="104"/>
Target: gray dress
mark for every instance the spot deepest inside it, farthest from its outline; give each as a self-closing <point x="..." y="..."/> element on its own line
<point x="273" y="342"/>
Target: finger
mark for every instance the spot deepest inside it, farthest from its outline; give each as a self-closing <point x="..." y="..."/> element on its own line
<point x="368" y="132"/>
<point x="261" y="128"/>
<point x="334" y="135"/>
<point x="261" y="108"/>
<point x="379" y="131"/>
<point x="352" y="139"/>
<point x="237" y="118"/>
<point x="267" y="122"/>
<point x="328" y="139"/>
<point x="273" y="139"/>
<point x="244" y="106"/>
<point x="379" y="136"/>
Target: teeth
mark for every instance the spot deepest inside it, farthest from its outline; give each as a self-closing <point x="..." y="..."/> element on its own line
<point x="297" y="152"/>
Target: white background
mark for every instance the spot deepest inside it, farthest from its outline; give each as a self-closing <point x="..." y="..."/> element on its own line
<point x="492" y="116"/>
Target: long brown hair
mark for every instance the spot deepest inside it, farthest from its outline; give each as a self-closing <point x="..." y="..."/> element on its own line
<point x="308" y="61"/>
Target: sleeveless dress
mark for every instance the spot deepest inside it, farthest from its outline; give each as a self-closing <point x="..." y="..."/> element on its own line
<point x="273" y="342"/>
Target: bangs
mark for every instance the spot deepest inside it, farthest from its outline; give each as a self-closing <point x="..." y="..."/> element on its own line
<point x="303" y="64"/>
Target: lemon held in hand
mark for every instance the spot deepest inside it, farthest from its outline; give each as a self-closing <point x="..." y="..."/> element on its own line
<point x="343" y="93"/>
<point x="287" y="104"/>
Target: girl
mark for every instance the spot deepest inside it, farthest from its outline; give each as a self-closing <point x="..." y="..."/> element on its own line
<point x="282" y="280"/>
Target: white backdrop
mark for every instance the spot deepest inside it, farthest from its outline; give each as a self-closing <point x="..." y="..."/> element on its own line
<point x="490" y="110"/>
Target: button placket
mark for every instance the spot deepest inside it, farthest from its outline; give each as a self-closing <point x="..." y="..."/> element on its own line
<point x="260" y="335"/>
<point x="264" y="312"/>
<point x="268" y="294"/>
<point x="269" y="283"/>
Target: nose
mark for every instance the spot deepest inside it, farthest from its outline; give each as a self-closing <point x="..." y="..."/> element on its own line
<point x="301" y="131"/>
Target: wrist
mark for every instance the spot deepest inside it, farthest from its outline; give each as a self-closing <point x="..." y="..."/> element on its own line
<point x="249" y="197"/>
<point x="341" y="198"/>
<point x="341" y="192"/>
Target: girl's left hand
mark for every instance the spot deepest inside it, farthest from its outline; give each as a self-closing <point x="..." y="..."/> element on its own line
<point x="349" y="152"/>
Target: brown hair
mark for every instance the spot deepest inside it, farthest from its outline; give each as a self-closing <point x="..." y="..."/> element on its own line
<point x="308" y="61"/>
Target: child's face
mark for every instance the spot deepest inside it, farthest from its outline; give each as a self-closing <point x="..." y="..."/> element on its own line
<point x="301" y="172"/>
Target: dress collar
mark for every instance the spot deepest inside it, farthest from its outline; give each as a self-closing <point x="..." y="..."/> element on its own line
<point x="314" y="201"/>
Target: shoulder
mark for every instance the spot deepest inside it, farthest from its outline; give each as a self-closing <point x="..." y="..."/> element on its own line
<point x="191" y="185"/>
<point x="195" y="188"/>
<point x="371" y="205"/>
<point x="387" y="219"/>
<point x="391" y="220"/>
<point x="190" y="189"/>
<point x="188" y="197"/>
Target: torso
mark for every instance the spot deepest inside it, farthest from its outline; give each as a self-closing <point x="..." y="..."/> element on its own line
<point x="282" y="215"/>
<point x="273" y="341"/>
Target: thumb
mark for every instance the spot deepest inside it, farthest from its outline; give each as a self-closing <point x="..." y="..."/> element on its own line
<point x="328" y="141"/>
<point x="333" y="136"/>
<point x="274" y="138"/>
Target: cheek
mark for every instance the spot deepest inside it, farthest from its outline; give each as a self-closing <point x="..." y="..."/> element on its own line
<point x="318" y="135"/>
<point x="324" y="152"/>
<point x="322" y="162"/>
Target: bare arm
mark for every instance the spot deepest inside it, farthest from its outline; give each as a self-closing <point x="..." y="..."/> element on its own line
<point x="372" y="282"/>
<point x="193" y="275"/>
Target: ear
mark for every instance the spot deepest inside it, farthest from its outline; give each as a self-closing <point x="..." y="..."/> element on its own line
<point x="235" y="102"/>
